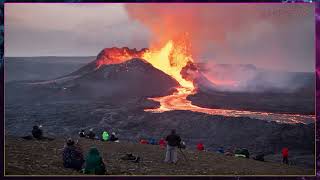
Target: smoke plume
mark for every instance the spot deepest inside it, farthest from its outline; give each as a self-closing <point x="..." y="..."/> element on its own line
<point x="269" y="36"/>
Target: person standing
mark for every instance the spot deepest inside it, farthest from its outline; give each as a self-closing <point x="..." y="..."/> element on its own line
<point x="200" y="147"/>
<point x="173" y="140"/>
<point x="285" y="153"/>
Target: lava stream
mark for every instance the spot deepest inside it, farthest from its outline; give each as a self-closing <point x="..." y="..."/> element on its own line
<point x="178" y="101"/>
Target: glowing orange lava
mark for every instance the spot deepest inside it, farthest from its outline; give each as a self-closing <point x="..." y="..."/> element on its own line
<point x="172" y="58"/>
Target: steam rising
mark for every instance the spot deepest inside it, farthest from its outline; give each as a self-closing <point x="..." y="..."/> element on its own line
<point x="249" y="78"/>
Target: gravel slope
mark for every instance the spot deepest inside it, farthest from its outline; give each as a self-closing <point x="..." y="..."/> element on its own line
<point x="23" y="157"/>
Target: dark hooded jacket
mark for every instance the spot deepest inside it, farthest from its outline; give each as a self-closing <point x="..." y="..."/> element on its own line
<point x="72" y="157"/>
<point x="36" y="132"/>
<point x="94" y="163"/>
<point x="173" y="140"/>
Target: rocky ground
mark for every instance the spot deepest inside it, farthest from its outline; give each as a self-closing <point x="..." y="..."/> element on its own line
<point x="130" y="122"/>
<point x="32" y="157"/>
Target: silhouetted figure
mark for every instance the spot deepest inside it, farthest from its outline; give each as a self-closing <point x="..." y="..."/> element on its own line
<point x="72" y="156"/>
<point x="37" y="132"/>
<point x="173" y="141"/>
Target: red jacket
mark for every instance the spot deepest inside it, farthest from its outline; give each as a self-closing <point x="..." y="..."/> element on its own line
<point x="142" y="141"/>
<point x="285" y="152"/>
<point x="200" y="147"/>
<point x="162" y="143"/>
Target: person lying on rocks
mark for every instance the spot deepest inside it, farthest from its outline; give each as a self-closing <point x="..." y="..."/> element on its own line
<point x="91" y="134"/>
<point x="82" y="133"/>
<point x="94" y="163"/>
<point x="113" y="137"/>
<point x="130" y="157"/>
<point x="72" y="156"/>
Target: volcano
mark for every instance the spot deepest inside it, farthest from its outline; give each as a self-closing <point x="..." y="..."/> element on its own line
<point x="127" y="77"/>
<point x="134" y="77"/>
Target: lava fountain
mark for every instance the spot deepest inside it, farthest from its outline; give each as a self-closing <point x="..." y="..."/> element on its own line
<point x="171" y="59"/>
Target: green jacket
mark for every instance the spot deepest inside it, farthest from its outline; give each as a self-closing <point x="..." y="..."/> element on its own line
<point x="94" y="163"/>
<point x="105" y="136"/>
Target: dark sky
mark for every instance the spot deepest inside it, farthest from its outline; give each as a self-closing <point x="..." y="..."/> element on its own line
<point x="283" y="42"/>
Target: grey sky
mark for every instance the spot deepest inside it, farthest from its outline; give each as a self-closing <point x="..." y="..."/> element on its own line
<point x="85" y="29"/>
<point x="69" y="29"/>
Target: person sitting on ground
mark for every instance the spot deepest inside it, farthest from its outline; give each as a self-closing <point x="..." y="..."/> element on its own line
<point x="37" y="132"/>
<point x="162" y="143"/>
<point x="152" y="141"/>
<point x="113" y="137"/>
<point x="72" y="156"/>
<point x="285" y="153"/>
<point x="94" y="163"/>
<point x="220" y="150"/>
<point x="82" y="133"/>
<point x="143" y="141"/>
<point x="242" y="153"/>
<point x="259" y="157"/>
<point x="228" y="153"/>
<point x="91" y="134"/>
<point x="173" y="140"/>
<point x="200" y="147"/>
<point x="105" y="136"/>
